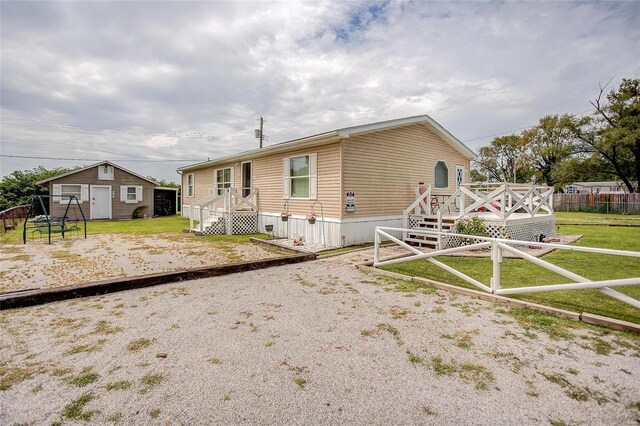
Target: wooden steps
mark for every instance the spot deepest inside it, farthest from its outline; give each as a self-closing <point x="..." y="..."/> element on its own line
<point x="428" y="223"/>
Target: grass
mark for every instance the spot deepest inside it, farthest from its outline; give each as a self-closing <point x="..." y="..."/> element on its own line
<point x="86" y="377"/>
<point x="75" y="409"/>
<point x="120" y="385"/>
<point x="159" y="225"/>
<point x="139" y="344"/>
<point x="578" y="218"/>
<point x="151" y="380"/>
<point x="519" y="272"/>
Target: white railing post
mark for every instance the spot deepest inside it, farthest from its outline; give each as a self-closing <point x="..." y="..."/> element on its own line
<point x="190" y="217"/>
<point x="230" y="211"/>
<point x="496" y="258"/>
<point x="376" y="247"/>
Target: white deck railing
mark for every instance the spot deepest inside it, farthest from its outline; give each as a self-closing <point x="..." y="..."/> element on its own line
<point x="497" y="246"/>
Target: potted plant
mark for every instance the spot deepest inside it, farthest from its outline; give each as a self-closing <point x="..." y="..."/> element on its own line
<point x="284" y="216"/>
<point x="311" y="217"/>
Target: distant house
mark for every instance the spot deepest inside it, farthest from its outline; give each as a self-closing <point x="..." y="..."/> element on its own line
<point x="108" y="191"/>
<point x="608" y="187"/>
<point x="352" y="179"/>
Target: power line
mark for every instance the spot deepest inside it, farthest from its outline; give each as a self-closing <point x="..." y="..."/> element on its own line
<point x="100" y="159"/>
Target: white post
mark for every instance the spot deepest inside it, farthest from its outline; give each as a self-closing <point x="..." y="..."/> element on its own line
<point x="229" y="197"/>
<point x="376" y="247"/>
<point x="496" y="257"/>
<point x="405" y="226"/>
<point x="190" y="217"/>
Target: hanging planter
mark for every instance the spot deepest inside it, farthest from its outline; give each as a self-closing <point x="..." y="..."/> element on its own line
<point x="284" y="217"/>
<point x="311" y="217"/>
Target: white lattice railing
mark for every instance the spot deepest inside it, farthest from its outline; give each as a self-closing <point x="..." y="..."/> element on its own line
<point x="224" y="204"/>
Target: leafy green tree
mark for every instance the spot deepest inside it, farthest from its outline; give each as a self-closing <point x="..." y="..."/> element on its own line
<point x="476" y="176"/>
<point x="165" y="183"/>
<point x="548" y="144"/>
<point x="18" y="187"/>
<point x="612" y="135"/>
<point x="504" y="160"/>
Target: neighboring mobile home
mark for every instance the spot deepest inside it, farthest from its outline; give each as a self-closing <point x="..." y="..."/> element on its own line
<point x="108" y="191"/>
<point x="353" y="179"/>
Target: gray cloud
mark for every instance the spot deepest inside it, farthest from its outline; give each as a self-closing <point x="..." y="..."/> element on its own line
<point x="160" y="80"/>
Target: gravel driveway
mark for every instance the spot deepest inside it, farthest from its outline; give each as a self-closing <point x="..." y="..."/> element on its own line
<point x="78" y="260"/>
<point x="313" y="343"/>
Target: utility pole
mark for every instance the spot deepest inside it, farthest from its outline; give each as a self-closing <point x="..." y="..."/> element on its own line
<point x="261" y="124"/>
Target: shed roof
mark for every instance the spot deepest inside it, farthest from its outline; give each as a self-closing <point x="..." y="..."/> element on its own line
<point x="95" y="165"/>
<point x="334" y="136"/>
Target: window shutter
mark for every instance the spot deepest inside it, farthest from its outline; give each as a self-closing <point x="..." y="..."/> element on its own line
<point x="84" y="193"/>
<point x="233" y="178"/>
<point x="139" y="191"/>
<point x="286" y="181"/>
<point x="123" y="194"/>
<point x="57" y="190"/>
<point x="215" y="183"/>
<point x="313" y="176"/>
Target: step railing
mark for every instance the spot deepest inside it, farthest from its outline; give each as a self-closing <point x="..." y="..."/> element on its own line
<point x="228" y="202"/>
<point x="497" y="246"/>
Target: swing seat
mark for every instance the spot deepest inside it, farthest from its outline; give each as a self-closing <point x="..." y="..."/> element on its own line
<point x="58" y="226"/>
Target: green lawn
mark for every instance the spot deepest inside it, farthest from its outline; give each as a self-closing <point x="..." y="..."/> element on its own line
<point x="159" y="225"/>
<point x="576" y="218"/>
<point x="520" y="273"/>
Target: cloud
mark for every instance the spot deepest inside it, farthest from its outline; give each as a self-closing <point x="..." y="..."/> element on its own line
<point x="129" y="81"/>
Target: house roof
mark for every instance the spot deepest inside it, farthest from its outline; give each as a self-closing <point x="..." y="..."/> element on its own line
<point x="335" y="136"/>
<point x="95" y="165"/>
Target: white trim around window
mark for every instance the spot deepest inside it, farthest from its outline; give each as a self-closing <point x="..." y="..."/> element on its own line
<point x="131" y="194"/>
<point x="191" y="185"/>
<point x="300" y="177"/>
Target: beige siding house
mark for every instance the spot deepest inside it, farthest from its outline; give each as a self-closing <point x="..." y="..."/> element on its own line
<point x="353" y="179"/>
<point x="104" y="190"/>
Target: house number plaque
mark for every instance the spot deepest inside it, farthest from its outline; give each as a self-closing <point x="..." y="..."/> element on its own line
<point x="350" y="202"/>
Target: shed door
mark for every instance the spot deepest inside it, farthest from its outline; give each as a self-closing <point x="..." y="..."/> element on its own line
<point x="459" y="181"/>
<point x="100" y="202"/>
<point x="246" y="178"/>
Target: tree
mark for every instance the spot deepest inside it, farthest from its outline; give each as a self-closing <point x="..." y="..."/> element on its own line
<point x="504" y="160"/>
<point x="165" y="183"/>
<point x="612" y="135"/>
<point x="476" y="176"/>
<point x="18" y="187"/>
<point x="548" y="144"/>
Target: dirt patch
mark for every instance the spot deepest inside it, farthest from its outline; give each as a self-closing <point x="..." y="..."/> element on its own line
<point x="99" y="257"/>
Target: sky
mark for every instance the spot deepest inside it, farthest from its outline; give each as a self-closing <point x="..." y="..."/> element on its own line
<point x="153" y="86"/>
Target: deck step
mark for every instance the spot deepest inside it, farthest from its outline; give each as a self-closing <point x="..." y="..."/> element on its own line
<point x="421" y="243"/>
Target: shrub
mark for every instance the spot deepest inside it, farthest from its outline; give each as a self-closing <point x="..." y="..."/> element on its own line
<point x="139" y="212"/>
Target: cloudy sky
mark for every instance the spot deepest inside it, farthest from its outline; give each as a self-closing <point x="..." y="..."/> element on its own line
<point x="157" y="85"/>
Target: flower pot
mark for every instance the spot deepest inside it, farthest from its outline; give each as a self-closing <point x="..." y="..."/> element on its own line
<point x="311" y="220"/>
<point x="284" y="217"/>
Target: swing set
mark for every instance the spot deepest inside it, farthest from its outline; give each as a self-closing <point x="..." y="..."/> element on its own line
<point x="39" y="220"/>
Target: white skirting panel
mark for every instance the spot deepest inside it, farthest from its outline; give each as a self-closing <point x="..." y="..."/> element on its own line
<point x="355" y="231"/>
<point x="362" y="229"/>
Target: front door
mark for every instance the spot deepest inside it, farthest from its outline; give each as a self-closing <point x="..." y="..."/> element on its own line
<point x="246" y="179"/>
<point x="100" y="202"/>
<point x="459" y="181"/>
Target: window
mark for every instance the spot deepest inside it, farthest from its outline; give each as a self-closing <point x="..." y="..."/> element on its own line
<point x="299" y="176"/>
<point x="131" y="194"/>
<point x="68" y="190"/>
<point x="223" y="180"/>
<point x="442" y="175"/>
<point x="190" y="185"/>
<point x="105" y="172"/>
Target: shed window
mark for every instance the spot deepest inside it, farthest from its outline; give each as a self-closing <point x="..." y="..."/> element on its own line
<point x="299" y="176"/>
<point x="131" y="194"/>
<point x="442" y="175"/>
<point x="223" y="180"/>
<point x="190" y="185"/>
<point x="68" y="190"/>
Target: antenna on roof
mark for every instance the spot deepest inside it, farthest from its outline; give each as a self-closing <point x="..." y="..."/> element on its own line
<point x="259" y="134"/>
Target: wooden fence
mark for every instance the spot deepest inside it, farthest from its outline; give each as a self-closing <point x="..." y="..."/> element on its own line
<point x="601" y="203"/>
<point x="10" y="218"/>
